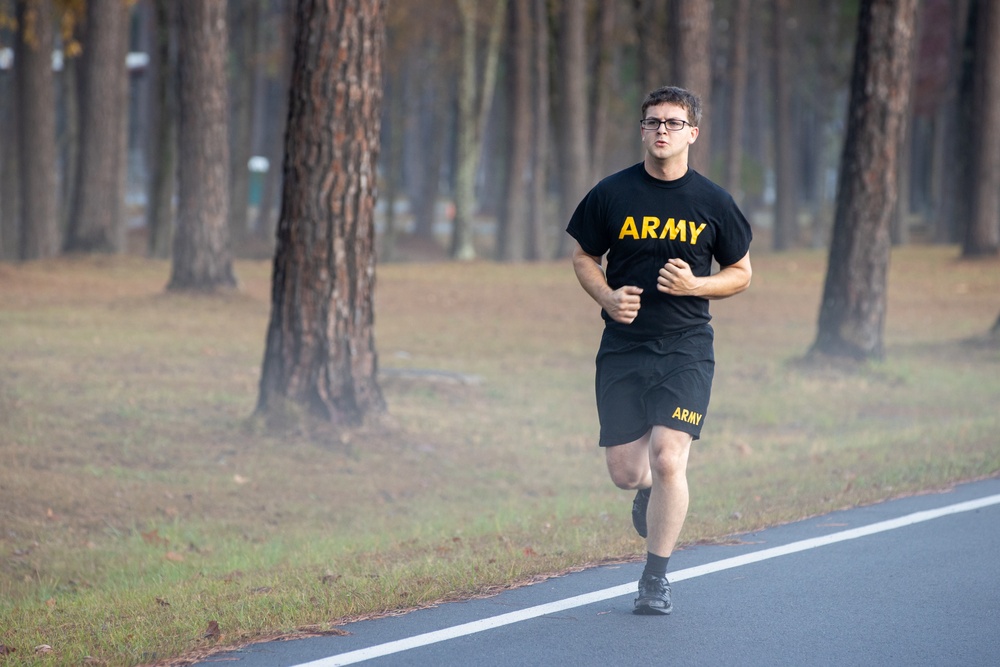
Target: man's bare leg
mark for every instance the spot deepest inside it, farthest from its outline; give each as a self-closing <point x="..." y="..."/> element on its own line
<point x="658" y="460"/>
<point x="668" y="500"/>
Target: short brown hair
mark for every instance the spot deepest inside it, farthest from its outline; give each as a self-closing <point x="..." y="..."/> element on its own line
<point x="678" y="96"/>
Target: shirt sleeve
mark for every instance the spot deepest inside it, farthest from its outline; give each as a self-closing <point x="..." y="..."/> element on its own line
<point x="734" y="242"/>
<point x="588" y="226"/>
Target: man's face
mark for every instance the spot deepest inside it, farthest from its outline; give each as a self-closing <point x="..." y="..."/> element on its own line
<point x="664" y="144"/>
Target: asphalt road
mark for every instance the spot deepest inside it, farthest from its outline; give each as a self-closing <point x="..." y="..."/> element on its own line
<point x="914" y="581"/>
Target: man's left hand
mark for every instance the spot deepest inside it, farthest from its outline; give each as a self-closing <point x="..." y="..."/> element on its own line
<point x="676" y="278"/>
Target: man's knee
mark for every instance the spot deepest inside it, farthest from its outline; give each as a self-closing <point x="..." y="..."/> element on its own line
<point x="669" y="452"/>
<point x="628" y="464"/>
<point x="627" y="477"/>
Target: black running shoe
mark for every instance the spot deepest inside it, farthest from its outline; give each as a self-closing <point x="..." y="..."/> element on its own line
<point x="639" y="511"/>
<point x="654" y="596"/>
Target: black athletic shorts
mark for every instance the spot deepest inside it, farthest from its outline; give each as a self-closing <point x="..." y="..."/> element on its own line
<point x="645" y="383"/>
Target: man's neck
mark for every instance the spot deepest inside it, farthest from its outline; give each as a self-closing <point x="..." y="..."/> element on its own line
<point x="666" y="170"/>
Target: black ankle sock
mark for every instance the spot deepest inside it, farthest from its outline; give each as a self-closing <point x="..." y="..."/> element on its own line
<point x="656" y="565"/>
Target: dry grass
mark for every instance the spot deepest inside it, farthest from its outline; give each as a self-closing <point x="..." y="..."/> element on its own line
<point x="138" y="502"/>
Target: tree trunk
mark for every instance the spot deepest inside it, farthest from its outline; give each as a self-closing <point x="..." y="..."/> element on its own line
<point x="274" y="133"/>
<point x="650" y="27"/>
<point x="692" y="59"/>
<point x="538" y="216"/>
<point x="983" y="233"/>
<point x="163" y="127"/>
<point x="472" y="120"/>
<point x="602" y="89"/>
<point x="245" y="28"/>
<point x="574" y="159"/>
<point x="97" y="222"/>
<point x="424" y="119"/>
<point x="737" y="102"/>
<point x="466" y="159"/>
<point x="951" y="131"/>
<point x="202" y="258"/>
<point x="68" y="136"/>
<point x="899" y="227"/>
<point x="393" y="121"/>
<point x="785" y="219"/>
<point x="320" y="352"/>
<point x="9" y="177"/>
<point x="513" y="222"/>
<point x="38" y="234"/>
<point x="852" y="312"/>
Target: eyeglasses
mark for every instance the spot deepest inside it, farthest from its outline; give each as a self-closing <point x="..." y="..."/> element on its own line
<point x="672" y="124"/>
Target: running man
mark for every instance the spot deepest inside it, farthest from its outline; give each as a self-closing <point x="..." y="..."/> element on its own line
<point x="661" y="225"/>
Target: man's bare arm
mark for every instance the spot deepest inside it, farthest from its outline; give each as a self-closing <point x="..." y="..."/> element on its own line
<point x="676" y="279"/>
<point x="622" y="305"/>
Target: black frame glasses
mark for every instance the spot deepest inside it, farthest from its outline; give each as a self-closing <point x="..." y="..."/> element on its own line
<point x="672" y="124"/>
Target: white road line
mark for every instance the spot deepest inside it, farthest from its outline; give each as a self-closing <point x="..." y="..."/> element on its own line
<point x="473" y="627"/>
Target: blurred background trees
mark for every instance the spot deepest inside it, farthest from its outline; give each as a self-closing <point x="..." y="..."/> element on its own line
<point x="498" y="115"/>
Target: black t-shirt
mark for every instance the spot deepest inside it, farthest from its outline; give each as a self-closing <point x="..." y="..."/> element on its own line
<point x="641" y="222"/>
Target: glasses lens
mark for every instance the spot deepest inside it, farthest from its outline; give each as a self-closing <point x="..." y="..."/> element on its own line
<point x="673" y="124"/>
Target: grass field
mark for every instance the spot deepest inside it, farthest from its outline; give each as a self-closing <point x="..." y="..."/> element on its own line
<point x="144" y="517"/>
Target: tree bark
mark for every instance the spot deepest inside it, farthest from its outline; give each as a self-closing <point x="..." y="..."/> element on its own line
<point x="650" y="26"/>
<point x="692" y="59"/>
<point x="423" y="116"/>
<point x="68" y="135"/>
<point x="245" y="29"/>
<point x="852" y="312"/>
<point x="574" y="154"/>
<point x="513" y="222"/>
<point x="602" y="89"/>
<point x="96" y="221"/>
<point x="320" y="352"/>
<point x="983" y="232"/>
<point x="392" y="150"/>
<point x="952" y="136"/>
<point x="38" y="233"/>
<point x="786" y="194"/>
<point x="202" y="259"/>
<point x="472" y="120"/>
<point x="538" y="215"/>
<point x="163" y="127"/>
<point x="9" y="178"/>
<point x="274" y="134"/>
<point x="738" y="85"/>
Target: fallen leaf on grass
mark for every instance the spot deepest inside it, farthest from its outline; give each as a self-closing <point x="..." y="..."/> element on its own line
<point x="320" y="631"/>
<point x="153" y="537"/>
<point x="174" y="557"/>
<point x="330" y="578"/>
<point x="5" y="650"/>
<point x="212" y="631"/>
<point x="43" y="649"/>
